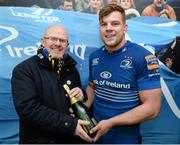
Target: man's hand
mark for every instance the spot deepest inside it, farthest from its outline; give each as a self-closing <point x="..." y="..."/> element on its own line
<point x="77" y="92"/>
<point x="80" y="132"/>
<point x="101" y="128"/>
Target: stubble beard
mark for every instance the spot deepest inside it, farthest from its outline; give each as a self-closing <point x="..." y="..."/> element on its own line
<point x="114" y="45"/>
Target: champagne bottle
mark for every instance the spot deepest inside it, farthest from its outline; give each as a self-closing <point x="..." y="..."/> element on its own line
<point x="81" y="112"/>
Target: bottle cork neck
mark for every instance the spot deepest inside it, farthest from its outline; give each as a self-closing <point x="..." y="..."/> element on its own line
<point x="73" y="100"/>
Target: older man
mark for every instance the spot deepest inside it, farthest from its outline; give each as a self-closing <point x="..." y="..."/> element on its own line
<point x="39" y="97"/>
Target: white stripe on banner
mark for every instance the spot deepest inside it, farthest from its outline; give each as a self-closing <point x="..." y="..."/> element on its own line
<point x="169" y="98"/>
<point x="169" y="24"/>
<point x="13" y="35"/>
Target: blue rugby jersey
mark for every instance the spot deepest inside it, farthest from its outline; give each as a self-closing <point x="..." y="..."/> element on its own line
<point x="118" y="76"/>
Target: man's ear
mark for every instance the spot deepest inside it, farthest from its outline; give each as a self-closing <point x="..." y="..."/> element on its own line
<point x="125" y="28"/>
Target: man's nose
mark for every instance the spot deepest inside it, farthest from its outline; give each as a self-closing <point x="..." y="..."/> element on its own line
<point x="108" y="27"/>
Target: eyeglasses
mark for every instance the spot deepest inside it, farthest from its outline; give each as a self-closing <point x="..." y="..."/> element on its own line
<point x="55" y="39"/>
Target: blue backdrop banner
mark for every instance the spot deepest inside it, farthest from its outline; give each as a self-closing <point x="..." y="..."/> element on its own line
<point x="21" y="30"/>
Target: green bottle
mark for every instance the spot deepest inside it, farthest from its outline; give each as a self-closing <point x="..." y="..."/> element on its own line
<point x="81" y="112"/>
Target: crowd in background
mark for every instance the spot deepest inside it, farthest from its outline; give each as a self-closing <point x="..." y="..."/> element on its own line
<point x="92" y="6"/>
<point x="138" y="7"/>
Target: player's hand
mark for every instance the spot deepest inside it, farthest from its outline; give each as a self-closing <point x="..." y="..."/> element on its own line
<point x="100" y="129"/>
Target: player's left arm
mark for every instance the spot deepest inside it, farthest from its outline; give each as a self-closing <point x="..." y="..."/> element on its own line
<point x="148" y="109"/>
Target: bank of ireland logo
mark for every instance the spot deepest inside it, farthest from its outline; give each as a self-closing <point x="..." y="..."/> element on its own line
<point x="105" y="75"/>
<point x="35" y="13"/>
<point x="12" y="34"/>
<point x="126" y="63"/>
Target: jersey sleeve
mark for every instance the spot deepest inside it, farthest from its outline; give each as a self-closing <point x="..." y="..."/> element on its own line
<point x="148" y="73"/>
